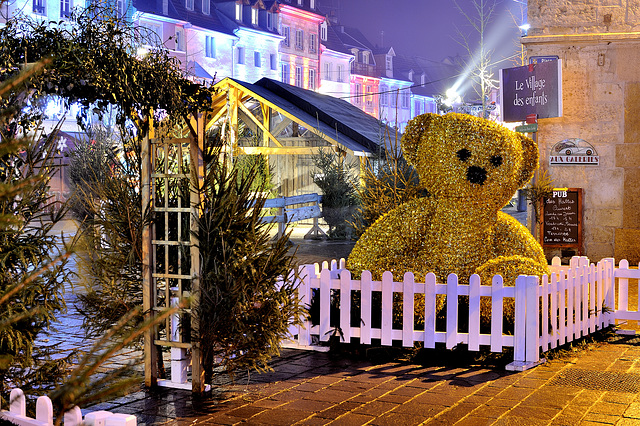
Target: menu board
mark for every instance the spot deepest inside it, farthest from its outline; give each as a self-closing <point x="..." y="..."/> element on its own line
<point x="562" y="218"/>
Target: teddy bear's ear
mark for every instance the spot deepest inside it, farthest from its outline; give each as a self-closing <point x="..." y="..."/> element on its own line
<point x="529" y="159"/>
<point x="413" y="133"/>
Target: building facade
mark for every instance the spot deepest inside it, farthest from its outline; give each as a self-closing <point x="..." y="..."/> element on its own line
<point x="598" y="43"/>
<point x="299" y="23"/>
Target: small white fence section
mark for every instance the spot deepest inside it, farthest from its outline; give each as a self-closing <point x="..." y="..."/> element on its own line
<point x="573" y="301"/>
<point x="17" y="414"/>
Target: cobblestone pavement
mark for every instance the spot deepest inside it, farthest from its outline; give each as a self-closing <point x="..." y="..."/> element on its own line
<point x="596" y="386"/>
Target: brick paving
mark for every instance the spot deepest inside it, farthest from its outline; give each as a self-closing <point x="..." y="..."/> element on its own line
<point x="315" y="388"/>
<point x="595" y="386"/>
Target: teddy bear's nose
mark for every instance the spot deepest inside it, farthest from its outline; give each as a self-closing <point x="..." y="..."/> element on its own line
<point x="476" y="174"/>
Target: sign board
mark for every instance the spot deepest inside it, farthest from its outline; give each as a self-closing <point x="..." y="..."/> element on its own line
<point x="562" y="219"/>
<point x="573" y="152"/>
<point x="531" y="89"/>
<point x="540" y="59"/>
<point x="527" y="128"/>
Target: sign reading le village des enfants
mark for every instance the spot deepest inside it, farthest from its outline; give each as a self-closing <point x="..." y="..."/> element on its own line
<point x="531" y="89"/>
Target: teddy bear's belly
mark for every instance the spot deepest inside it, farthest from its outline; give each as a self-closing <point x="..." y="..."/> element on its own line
<point x="458" y="252"/>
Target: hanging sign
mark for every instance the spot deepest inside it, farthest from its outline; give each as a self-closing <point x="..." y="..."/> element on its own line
<point x="531" y="89"/>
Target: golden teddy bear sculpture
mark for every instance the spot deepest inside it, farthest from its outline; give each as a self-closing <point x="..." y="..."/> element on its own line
<point x="471" y="167"/>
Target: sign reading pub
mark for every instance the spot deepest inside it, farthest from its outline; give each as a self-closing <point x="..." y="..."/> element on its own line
<point x="531" y="89"/>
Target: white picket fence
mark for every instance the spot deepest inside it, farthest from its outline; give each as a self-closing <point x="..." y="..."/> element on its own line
<point x="572" y="302"/>
<point x="17" y="414"/>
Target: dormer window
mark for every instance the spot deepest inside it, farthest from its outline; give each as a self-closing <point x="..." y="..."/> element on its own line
<point x="254" y="16"/>
<point x="388" y="63"/>
<point x="206" y="7"/>
<point x="271" y="21"/>
<point x="423" y="79"/>
<point x="323" y="31"/>
<point x="312" y="4"/>
<point x="189" y="4"/>
<point x="238" y="12"/>
<point x="411" y="75"/>
<point x="365" y="57"/>
<point x="299" y="2"/>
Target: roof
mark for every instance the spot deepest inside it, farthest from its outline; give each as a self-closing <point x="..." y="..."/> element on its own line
<point x="338" y="119"/>
<point x="178" y="11"/>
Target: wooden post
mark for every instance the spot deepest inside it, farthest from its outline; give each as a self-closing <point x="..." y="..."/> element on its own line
<point x="150" y="350"/>
<point x="197" y="163"/>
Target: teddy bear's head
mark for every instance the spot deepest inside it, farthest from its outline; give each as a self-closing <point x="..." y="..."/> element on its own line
<point x="461" y="156"/>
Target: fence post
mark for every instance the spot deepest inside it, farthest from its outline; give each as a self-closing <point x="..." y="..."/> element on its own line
<point x="452" y="311"/>
<point x="526" y="339"/>
<point x="304" y="295"/>
<point x="17" y="402"/>
<point x="532" y="344"/>
<point x="407" y="308"/>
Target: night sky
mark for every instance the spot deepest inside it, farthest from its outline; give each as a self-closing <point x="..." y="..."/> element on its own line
<point x="428" y="28"/>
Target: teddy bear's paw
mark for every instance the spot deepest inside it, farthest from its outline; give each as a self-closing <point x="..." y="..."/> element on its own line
<point x="509" y="267"/>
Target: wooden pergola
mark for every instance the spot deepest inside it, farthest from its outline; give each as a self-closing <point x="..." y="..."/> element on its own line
<point x="284" y="124"/>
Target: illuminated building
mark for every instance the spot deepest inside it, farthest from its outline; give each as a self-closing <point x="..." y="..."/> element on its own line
<point x="299" y="23"/>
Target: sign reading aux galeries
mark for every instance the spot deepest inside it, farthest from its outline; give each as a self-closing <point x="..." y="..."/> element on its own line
<point x="531" y="89"/>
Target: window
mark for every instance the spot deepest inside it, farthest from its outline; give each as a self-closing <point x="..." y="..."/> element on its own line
<point x="312" y="43"/>
<point x="299" y="2"/>
<point x="384" y="96"/>
<point x="189" y="4"/>
<point x="270" y="21"/>
<point x="238" y="12"/>
<point x="298" y="80"/>
<point x="39" y="7"/>
<point x="122" y="8"/>
<point x="206" y="7"/>
<point x="405" y="98"/>
<point x="285" y="33"/>
<point x="210" y="47"/>
<point x="365" y="57"/>
<point x="179" y="40"/>
<point x="299" y="39"/>
<point x="392" y="97"/>
<point x="369" y="96"/>
<point x="416" y="107"/>
<point x="323" y="31"/>
<point x="240" y="55"/>
<point x="256" y="59"/>
<point x="358" y="94"/>
<point x="286" y="77"/>
<point x="312" y="79"/>
<point x="273" y="61"/>
<point x="151" y="34"/>
<point x="312" y="4"/>
<point x="388" y="62"/>
<point x="327" y="71"/>
<point x="340" y="73"/>
<point x="254" y="16"/>
<point x="65" y="8"/>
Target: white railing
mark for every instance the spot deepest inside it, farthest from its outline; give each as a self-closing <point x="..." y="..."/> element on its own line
<point x="17" y="414"/>
<point x="572" y="302"/>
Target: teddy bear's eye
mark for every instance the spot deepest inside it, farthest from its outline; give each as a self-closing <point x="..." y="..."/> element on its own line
<point x="464" y="154"/>
<point x="496" y="161"/>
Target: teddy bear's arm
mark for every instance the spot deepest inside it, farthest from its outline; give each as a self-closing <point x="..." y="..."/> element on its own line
<point x="511" y="238"/>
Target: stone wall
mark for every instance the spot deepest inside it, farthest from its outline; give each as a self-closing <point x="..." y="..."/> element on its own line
<point x="601" y="103"/>
<point x="548" y="17"/>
